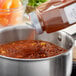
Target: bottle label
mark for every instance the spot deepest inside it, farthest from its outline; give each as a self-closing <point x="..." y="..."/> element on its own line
<point x="70" y="12"/>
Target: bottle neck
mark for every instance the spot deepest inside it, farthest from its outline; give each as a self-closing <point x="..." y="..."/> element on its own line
<point x="39" y="16"/>
<point x="35" y="22"/>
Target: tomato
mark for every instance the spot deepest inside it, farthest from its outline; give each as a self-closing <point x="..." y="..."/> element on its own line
<point x="16" y="4"/>
<point x="9" y="17"/>
<point x="1" y="3"/>
<point x="4" y="19"/>
<point x="7" y="4"/>
<point x="16" y="18"/>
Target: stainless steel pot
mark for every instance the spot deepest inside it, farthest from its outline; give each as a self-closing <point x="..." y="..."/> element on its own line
<point x="60" y="65"/>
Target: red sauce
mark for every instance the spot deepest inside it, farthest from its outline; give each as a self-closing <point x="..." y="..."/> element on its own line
<point x="30" y="49"/>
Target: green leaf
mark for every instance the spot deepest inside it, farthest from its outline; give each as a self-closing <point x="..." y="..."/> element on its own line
<point x="36" y="2"/>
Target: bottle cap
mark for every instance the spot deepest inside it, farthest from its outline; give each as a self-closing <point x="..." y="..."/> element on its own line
<point x="35" y="22"/>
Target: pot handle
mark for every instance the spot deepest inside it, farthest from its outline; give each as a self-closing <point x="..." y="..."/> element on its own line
<point x="74" y="36"/>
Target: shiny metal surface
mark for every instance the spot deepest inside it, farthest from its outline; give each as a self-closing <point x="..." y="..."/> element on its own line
<point x="60" y="65"/>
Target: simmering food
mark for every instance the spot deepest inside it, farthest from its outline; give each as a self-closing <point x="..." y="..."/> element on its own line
<point x="30" y="49"/>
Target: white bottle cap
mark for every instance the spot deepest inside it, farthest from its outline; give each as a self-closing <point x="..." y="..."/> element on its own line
<point x="35" y="22"/>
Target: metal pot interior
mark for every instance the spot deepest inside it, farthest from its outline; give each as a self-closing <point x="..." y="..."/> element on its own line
<point x="61" y="39"/>
<point x="16" y="33"/>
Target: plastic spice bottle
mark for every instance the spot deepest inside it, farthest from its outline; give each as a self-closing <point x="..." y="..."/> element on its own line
<point x="51" y="17"/>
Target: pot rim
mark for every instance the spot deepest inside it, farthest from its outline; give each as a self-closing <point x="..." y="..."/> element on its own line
<point x="40" y="59"/>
